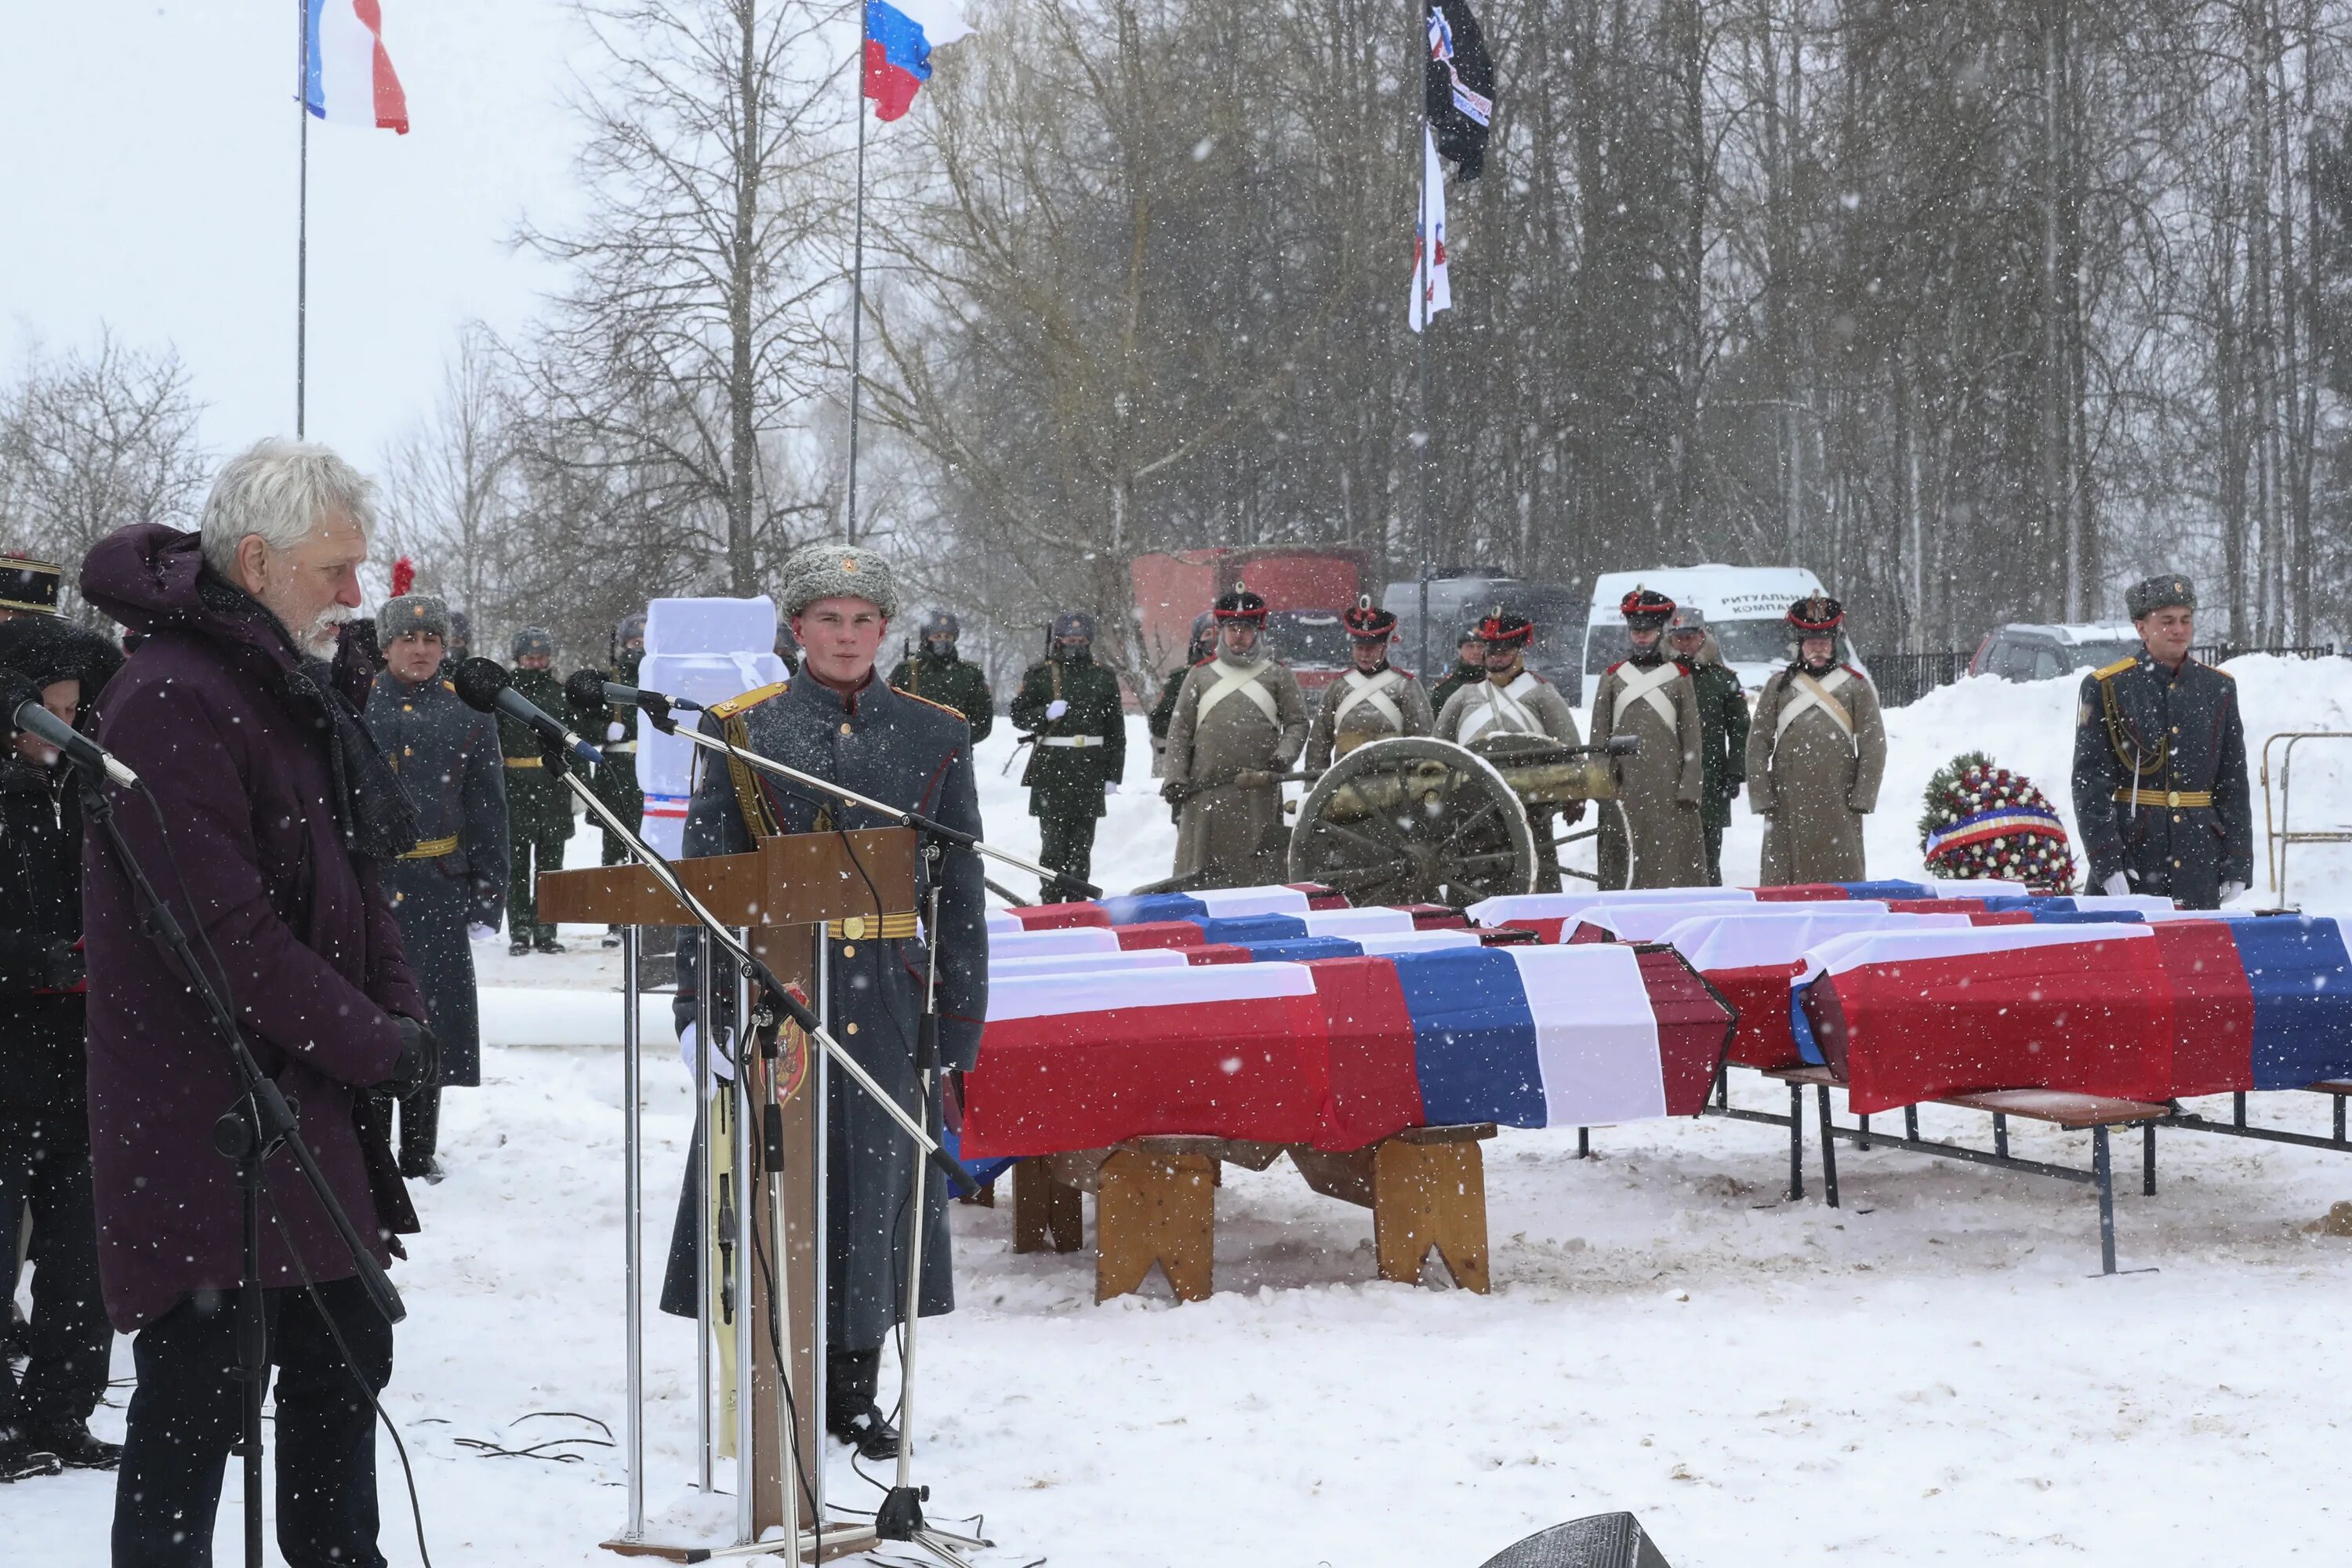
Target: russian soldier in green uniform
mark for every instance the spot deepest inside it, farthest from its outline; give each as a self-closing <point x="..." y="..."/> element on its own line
<point x="1163" y="712"/>
<point x="1070" y="707"/>
<point x="936" y="673"/>
<point x="1469" y="669"/>
<point x="612" y="727"/>
<point x="1723" y="727"/>
<point x="2161" y="786"/>
<point x="539" y="811"/>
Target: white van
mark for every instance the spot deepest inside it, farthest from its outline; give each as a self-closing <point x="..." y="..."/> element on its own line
<point x="1745" y="607"/>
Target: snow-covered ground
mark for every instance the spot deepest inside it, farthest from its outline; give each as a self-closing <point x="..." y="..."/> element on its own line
<point x="1933" y="1372"/>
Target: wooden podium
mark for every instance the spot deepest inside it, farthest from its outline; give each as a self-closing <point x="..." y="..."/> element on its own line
<point x="781" y="895"/>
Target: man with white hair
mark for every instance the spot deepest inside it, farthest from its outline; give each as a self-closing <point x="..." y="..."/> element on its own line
<point x="275" y="815"/>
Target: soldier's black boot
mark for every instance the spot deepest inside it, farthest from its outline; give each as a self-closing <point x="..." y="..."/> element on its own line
<point x="849" y="1411"/>
<point x="73" y="1446"/>
<point x="21" y="1457"/>
<point x="547" y="942"/>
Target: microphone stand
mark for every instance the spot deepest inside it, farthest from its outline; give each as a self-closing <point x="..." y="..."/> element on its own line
<point x="257" y="1125"/>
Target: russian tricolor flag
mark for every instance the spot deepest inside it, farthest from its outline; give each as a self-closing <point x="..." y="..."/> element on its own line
<point x="900" y="37"/>
<point x="346" y="76"/>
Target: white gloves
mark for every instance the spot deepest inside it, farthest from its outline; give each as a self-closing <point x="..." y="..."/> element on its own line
<point x="2229" y="891"/>
<point x="1056" y="707"/>
<point x="616" y="731"/>
<point x="2116" y="887"/>
<point x="720" y="1067"/>
<point x="477" y="932"/>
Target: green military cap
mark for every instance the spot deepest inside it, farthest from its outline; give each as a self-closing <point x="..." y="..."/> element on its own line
<point x="2161" y="593"/>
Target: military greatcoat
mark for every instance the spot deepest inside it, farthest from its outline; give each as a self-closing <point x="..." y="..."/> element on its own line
<point x="538" y="808"/>
<point x="612" y="728"/>
<point x="916" y="754"/>
<point x="1232" y="716"/>
<point x="2161" y="786"/>
<point x="1358" y="708"/>
<point x="1659" y="788"/>
<point x="954" y="681"/>
<point x="1723" y="722"/>
<point x="1816" y="752"/>
<point x="1526" y="704"/>
<point x="1077" y="755"/>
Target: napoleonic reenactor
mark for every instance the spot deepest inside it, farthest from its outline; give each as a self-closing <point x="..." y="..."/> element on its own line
<point x="1070" y="707"/>
<point x="1203" y="647"/>
<point x="1816" y="752"/>
<point x="452" y="887"/>
<point x="1469" y="668"/>
<point x="1240" y="720"/>
<point x="1372" y="701"/>
<point x="936" y="671"/>
<point x="1514" y="700"/>
<point x="838" y="721"/>
<point x="1723" y="725"/>
<point x="1655" y="836"/>
<point x="538" y="808"/>
<point x="29" y="587"/>
<point x="2160" y="763"/>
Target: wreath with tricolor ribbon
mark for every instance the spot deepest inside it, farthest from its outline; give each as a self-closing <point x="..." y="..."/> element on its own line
<point x="1987" y="822"/>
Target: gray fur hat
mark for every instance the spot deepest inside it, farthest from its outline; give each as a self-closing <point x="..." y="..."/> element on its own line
<point x="411" y="613"/>
<point x="530" y="641"/>
<point x="2170" y="591"/>
<point x="839" y="571"/>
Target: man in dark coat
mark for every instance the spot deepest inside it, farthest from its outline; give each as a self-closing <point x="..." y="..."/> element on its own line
<point x="1199" y="651"/>
<point x="2161" y="786"/>
<point x="538" y="808"/>
<point x="1071" y="709"/>
<point x="44" y="1115"/>
<point x="451" y="887"/>
<point x="1469" y="669"/>
<point x="612" y="727"/>
<point x="276" y="813"/>
<point x="1723" y="726"/>
<point x="935" y="671"/>
<point x="837" y="720"/>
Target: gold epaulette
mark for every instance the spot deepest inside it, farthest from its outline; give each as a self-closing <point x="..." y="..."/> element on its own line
<point x="744" y="702"/>
<point x="954" y="713"/>
<point x="2114" y="670"/>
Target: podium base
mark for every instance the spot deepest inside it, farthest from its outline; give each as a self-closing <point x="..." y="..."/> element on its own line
<point x="840" y="1541"/>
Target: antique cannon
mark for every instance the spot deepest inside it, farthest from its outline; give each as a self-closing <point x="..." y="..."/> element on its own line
<point x="1412" y="819"/>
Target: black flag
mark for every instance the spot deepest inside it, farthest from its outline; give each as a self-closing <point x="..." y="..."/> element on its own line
<point x="1458" y="86"/>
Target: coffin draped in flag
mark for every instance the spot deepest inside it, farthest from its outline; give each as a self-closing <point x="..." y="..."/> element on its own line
<point x="1458" y="86"/>
<point x="900" y="37"/>
<point x="347" y="77"/>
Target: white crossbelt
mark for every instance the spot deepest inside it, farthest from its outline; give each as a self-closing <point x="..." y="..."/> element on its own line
<point x="1812" y="694"/>
<point x="1374" y="689"/>
<point x="1502" y="712"/>
<point x="1244" y="680"/>
<point x="1076" y="740"/>
<point x="1650" y="686"/>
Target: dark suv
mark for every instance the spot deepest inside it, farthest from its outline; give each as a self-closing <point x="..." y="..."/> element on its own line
<point x="2024" y="651"/>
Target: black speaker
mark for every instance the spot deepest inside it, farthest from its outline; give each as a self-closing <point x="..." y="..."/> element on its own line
<point x="1603" y="1540"/>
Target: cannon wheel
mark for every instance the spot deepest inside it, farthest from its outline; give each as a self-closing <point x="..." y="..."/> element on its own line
<point x="1459" y="836"/>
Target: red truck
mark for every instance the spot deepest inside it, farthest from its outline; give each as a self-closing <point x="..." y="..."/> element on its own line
<point x="1306" y="591"/>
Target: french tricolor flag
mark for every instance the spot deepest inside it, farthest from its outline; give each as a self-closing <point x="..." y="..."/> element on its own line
<point x="347" y="78"/>
<point x="900" y="37"/>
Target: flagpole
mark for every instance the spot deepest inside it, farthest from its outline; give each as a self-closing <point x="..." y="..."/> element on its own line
<point x="1425" y="244"/>
<point x="303" y="221"/>
<point x="857" y="275"/>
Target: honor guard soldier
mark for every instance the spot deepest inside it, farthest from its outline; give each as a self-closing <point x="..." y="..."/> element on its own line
<point x="1514" y="700"/>
<point x="1469" y="668"/>
<point x="1816" y="752"/>
<point x="2160" y="763"/>
<point x="838" y="721"/>
<point x="29" y="587"/>
<point x="1655" y="838"/>
<point x="1240" y="719"/>
<point x="1372" y="701"/>
<point x="452" y="887"/>
<point x="1203" y="647"/>
<point x="538" y="810"/>
<point x="1070" y="706"/>
<point x="935" y="671"/>
<point x="1723" y="725"/>
<point x="461" y="638"/>
<point x="613" y="727"/>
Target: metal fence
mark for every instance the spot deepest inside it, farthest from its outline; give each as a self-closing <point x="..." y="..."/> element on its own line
<point x="1902" y="679"/>
<point x="2217" y="652"/>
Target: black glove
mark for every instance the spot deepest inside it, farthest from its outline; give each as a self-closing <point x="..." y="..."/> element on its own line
<point x="418" y="1065"/>
<point x="585" y="691"/>
<point x="62" y="966"/>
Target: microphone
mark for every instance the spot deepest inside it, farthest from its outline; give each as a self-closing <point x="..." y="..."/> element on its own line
<point x="482" y="685"/>
<point x="654" y="705"/>
<point x="26" y="716"/>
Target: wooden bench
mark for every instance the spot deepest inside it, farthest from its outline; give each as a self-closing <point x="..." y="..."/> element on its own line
<point x="1155" y="1202"/>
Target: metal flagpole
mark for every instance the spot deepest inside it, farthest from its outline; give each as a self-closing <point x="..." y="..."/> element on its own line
<point x="857" y="276"/>
<point x="1422" y="246"/>
<point x="303" y="220"/>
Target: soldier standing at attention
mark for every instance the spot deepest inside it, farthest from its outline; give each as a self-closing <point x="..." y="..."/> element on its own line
<point x="1723" y="726"/>
<point x="2160" y="763"/>
<point x="1240" y="719"/>
<point x="612" y="727"/>
<point x="1816" y="752"/>
<point x="539" y="812"/>
<point x="1661" y="786"/>
<point x="1514" y="700"/>
<point x="936" y="673"/>
<point x="1373" y="701"/>
<point x="452" y="885"/>
<point x="1070" y="705"/>
<point x="1163" y="712"/>
<point x="1469" y="669"/>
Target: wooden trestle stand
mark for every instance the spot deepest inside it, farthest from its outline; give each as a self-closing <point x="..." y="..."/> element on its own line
<point x="781" y="895"/>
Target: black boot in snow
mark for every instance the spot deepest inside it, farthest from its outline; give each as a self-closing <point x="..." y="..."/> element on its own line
<point x="72" y="1443"/>
<point x="21" y="1457"/>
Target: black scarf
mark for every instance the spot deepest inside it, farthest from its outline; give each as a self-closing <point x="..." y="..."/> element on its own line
<point x="1647" y="657"/>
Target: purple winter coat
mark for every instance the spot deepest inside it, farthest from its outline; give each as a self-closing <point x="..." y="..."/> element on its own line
<point x="313" y="957"/>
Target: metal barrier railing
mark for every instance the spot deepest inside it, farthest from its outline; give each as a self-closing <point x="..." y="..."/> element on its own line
<point x="2277" y="830"/>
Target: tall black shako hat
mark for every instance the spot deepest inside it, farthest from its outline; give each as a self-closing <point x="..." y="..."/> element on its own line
<point x="1646" y="610"/>
<point x="1816" y="615"/>
<point x="1239" y="604"/>
<point x="30" y="584"/>
<point x="1366" y="622"/>
<point x="1502" y="630"/>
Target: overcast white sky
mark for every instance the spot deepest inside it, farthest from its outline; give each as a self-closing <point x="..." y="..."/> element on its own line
<point x="148" y="181"/>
